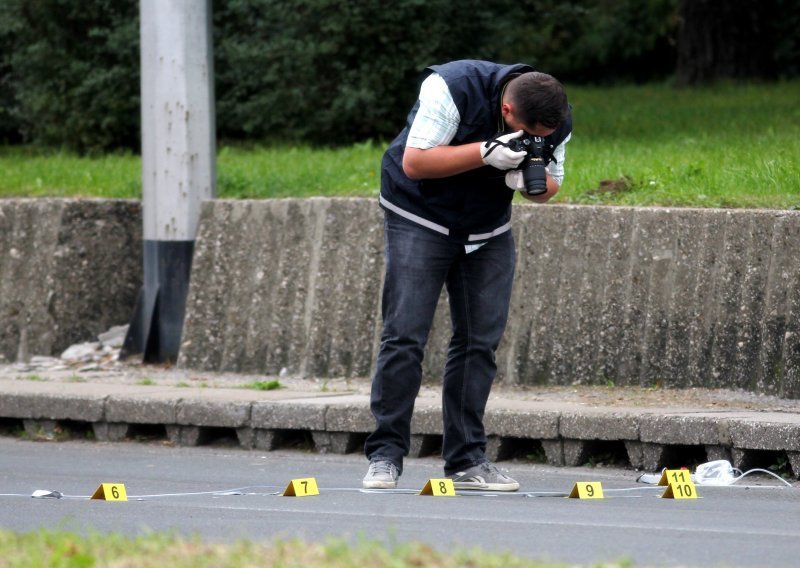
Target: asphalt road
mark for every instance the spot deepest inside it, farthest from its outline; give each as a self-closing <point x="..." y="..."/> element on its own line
<point x="182" y="490"/>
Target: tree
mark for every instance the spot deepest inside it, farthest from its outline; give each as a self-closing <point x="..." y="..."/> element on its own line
<point x="74" y="72"/>
<point x="736" y="39"/>
<point x="10" y="26"/>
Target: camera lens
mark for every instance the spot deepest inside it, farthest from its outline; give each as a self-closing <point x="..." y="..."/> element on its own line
<point x="535" y="178"/>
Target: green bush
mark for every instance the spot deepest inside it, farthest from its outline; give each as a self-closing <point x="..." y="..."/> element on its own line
<point x="320" y="71"/>
<point x="10" y="24"/>
<point x="75" y="72"/>
<point x="335" y="72"/>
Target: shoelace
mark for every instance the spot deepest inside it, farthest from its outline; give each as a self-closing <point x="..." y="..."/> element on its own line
<point x="486" y="467"/>
<point x="382" y="467"/>
<point x="493" y="470"/>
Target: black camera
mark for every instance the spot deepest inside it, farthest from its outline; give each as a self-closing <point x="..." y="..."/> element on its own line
<point x="533" y="165"/>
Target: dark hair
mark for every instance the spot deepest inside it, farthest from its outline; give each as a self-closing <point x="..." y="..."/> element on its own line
<point x="538" y="98"/>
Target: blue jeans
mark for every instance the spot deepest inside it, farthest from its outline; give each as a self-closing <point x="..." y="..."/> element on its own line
<point x="418" y="263"/>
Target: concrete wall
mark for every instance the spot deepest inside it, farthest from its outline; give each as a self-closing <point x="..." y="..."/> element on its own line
<point x="69" y="269"/>
<point x="285" y="283"/>
<point x="634" y="296"/>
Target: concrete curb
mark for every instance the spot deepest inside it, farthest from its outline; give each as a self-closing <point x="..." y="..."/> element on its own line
<point x="567" y="434"/>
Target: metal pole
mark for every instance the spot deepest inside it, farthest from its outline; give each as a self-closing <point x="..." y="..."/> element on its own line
<point x="178" y="165"/>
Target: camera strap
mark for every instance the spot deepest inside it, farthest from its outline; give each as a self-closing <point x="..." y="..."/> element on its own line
<point x="495" y="143"/>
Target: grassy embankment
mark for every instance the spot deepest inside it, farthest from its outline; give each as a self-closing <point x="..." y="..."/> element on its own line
<point x="726" y="146"/>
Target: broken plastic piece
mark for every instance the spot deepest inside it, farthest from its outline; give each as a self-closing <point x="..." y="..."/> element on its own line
<point x="46" y="494"/>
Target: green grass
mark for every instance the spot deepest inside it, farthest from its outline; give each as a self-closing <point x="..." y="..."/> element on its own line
<point x="49" y="548"/>
<point x="259" y="172"/>
<point x="726" y="146"/>
<point x="722" y="146"/>
<point x="263" y="385"/>
<point x="32" y="172"/>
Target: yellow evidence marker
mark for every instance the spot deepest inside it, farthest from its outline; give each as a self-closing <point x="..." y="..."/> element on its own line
<point x="679" y="484"/>
<point x="110" y="492"/>
<point x="301" y="487"/>
<point x="439" y="488"/>
<point x="669" y="476"/>
<point x="587" y="490"/>
<point x="685" y="490"/>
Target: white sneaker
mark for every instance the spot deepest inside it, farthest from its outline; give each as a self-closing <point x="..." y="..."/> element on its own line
<point x="382" y="474"/>
<point x="484" y="477"/>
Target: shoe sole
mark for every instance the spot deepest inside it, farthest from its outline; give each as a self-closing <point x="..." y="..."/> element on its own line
<point x="379" y="484"/>
<point x="486" y="486"/>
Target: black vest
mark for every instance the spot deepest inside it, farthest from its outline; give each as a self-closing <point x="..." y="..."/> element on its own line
<point x="472" y="206"/>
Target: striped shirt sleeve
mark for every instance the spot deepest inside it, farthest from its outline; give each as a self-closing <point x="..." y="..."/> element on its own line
<point x="556" y="168"/>
<point x="437" y="118"/>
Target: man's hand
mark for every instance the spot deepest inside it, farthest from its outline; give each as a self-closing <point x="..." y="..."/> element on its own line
<point x="515" y="181"/>
<point x="496" y="153"/>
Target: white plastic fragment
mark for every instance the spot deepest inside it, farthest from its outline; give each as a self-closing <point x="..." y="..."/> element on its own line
<point x="46" y="494"/>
